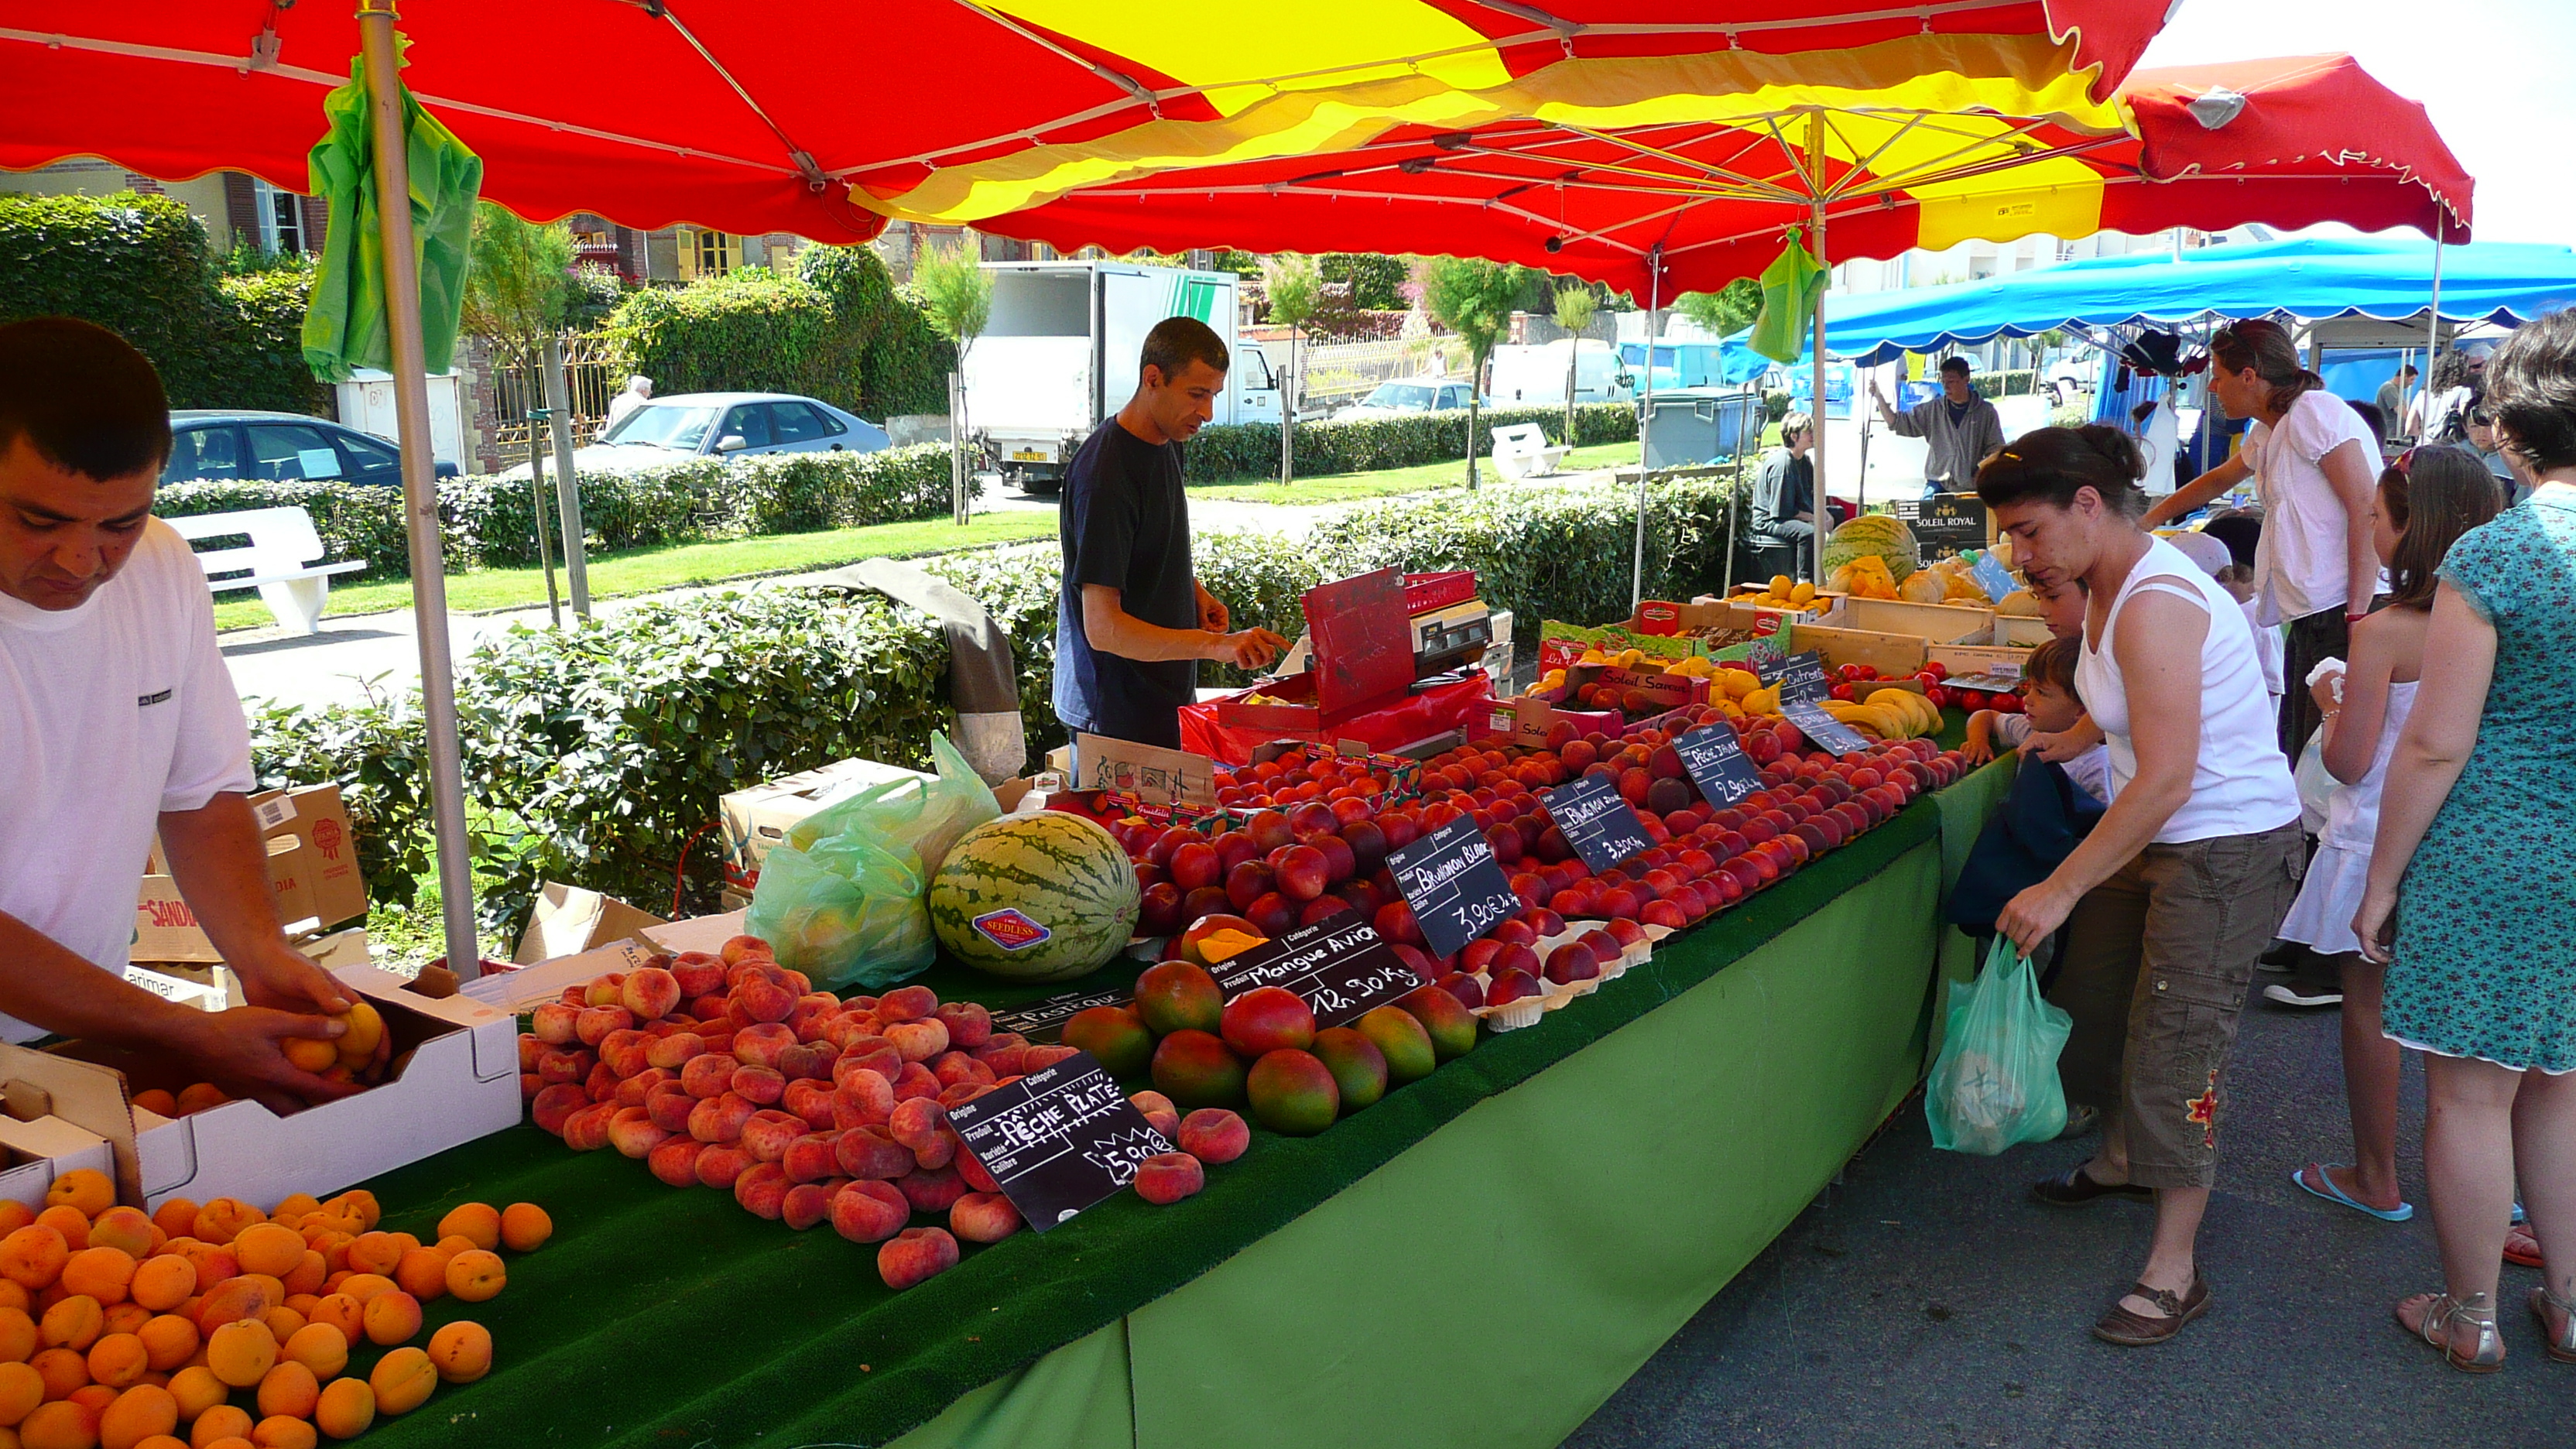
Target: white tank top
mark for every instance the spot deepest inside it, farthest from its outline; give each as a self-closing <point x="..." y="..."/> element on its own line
<point x="2352" y="812"/>
<point x="2240" y="785"/>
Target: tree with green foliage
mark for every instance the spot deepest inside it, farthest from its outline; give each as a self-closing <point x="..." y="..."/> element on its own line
<point x="957" y="293"/>
<point x="518" y="281"/>
<point x="1726" y="311"/>
<point x="1474" y="298"/>
<point x="1574" y="307"/>
<point x="1295" y="290"/>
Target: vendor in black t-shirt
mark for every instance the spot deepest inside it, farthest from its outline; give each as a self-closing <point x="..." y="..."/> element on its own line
<point x="1133" y="622"/>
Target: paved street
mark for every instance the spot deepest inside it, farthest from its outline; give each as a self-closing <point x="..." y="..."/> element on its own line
<point x="1927" y="1300"/>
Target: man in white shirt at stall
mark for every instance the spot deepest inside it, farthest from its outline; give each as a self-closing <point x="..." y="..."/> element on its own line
<point x="118" y="719"/>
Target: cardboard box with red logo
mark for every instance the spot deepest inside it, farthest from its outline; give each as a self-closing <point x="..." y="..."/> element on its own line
<point x="312" y="866"/>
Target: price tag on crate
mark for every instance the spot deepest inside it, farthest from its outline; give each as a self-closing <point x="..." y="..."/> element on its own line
<point x="1823" y="730"/>
<point x="1597" y="822"/>
<point x="1044" y="1020"/>
<point x="1800" y="676"/>
<point x="1717" y="764"/>
<point x="1057" y="1140"/>
<point x="1456" y="890"/>
<point x="1340" y="965"/>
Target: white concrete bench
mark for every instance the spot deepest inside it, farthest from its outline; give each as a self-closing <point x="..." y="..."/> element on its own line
<point x="1523" y="451"/>
<point x="282" y="560"/>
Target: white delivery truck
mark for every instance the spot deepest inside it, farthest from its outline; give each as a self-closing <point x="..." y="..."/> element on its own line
<point x="1059" y="355"/>
<point x="1534" y="376"/>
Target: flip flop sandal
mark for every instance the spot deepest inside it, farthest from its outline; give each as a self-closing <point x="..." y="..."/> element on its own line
<point x="2435" y="1330"/>
<point x="2131" y="1330"/>
<point x="2334" y="1194"/>
<point x="2072" y="1188"/>
<point x="2519" y="1255"/>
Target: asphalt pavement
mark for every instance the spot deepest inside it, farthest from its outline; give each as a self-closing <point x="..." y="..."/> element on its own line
<point x="1927" y="1300"/>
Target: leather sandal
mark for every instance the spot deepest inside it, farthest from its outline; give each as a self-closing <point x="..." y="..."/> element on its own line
<point x="2441" y="1310"/>
<point x="2074" y="1188"/>
<point x="2561" y="1339"/>
<point x="2132" y="1330"/>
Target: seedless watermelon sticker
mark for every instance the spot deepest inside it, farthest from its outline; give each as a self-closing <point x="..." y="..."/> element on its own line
<point x="1009" y="929"/>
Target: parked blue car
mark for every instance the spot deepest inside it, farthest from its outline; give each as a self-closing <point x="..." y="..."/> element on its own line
<point x="264" y="447"/>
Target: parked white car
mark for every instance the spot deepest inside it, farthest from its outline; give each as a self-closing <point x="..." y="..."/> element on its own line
<point x="721" y="425"/>
<point x="1405" y="397"/>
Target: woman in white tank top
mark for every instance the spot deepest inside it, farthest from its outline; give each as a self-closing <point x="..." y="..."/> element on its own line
<point x="2180" y="885"/>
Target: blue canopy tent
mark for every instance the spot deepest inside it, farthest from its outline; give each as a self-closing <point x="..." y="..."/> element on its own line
<point x="2311" y="278"/>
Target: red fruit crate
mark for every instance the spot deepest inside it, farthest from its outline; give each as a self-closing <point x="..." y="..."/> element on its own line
<point x="1426" y="592"/>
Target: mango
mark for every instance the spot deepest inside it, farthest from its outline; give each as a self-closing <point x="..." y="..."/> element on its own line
<point x="1358" y="1067"/>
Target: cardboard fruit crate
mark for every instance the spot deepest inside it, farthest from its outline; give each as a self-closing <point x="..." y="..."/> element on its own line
<point x="1931" y="623"/>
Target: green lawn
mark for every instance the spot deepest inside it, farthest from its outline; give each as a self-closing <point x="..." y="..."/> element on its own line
<point x="670" y="566"/>
<point x="1343" y="487"/>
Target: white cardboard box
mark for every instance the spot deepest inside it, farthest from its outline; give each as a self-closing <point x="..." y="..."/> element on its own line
<point x="461" y="1083"/>
<point x="527" y="987"/>
<point x="62" y="1114"/>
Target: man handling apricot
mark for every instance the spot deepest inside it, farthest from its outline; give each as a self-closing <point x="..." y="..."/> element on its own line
<point x="1133" y="621"/>
<point x="117" y="718"/>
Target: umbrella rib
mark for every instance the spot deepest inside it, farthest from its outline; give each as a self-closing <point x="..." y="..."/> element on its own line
<point x="1908" y="181"/>
<point x="1754" y="184"/>
<point x="798" y="156"/>
<point x="327" y="80"/>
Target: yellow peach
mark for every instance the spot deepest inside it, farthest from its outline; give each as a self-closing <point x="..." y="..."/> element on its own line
<point x="74" y="1323"/>
<point x="223" y="1421"/>
<point x="221" y="1220"/>
<point x="33" y="1256"/>
<point x="280" y="1432"/>
<point x="241" y="1353"/>
<point x="346" y="1408"/>
<point x="320" y="1347"/>
<point x="268" y="1248"/>
<point x="125" y="1228"/>
<point x="21" y="1390"/>
<point x="197" y="1390"/>
<point x="402" y="1380"/>
<point x="392" y="1318"/>
<point x="14" y="1215"/>
<point x="18" y="1338"/>
<point x="525" y="1227"/>
<point x="126" y="1317"/>
<point x="64" y="1371"/>
<point x="342" y="1312"/>
<point x="62" y="1424"/>
<point x="422" y="1273"/>
<point x="476" y="1276"/>
<point x="462" y="1351"/>
<point x="119" y="1361"/>
<point x="139" y="1413"/>
<point x="163" y="1282"/>
<point x="69" y="1221"/>
<point x="84" y="1188"/>
<point x="476" y="1220"/>
<point x="169" y="1341"/>
<point x="290" y="1389"/>
<point x="176" y="1216"/>
<point x="100" y="1273"/>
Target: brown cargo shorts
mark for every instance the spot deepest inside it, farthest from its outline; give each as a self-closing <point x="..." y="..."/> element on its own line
<point x="2158" y="962"/>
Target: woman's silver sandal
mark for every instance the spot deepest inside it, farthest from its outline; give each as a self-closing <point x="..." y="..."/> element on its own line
<point x="2441" y="1310"/>
<point x="2562" y="1339"/>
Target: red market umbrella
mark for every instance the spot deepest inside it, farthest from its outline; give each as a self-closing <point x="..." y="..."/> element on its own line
<point x="759" y="118"/>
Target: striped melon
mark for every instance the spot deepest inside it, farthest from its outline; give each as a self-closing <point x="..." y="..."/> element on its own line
<point x="1880" y="534"/>
<point x="1046" y="896"/>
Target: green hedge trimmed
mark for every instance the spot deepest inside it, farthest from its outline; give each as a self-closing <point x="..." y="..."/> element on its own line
<point x="139" y="266"/>
<point x="490" y="522"/>
<point x="592" y="755"/>
<point x="1251" y="450"/>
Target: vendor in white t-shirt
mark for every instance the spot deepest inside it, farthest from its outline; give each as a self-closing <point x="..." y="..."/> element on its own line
<point x="117" y="719"/>
<point x="2315" y="464"/>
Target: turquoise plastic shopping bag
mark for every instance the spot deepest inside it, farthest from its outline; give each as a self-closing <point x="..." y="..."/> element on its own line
<point x="1995" y="1082"/>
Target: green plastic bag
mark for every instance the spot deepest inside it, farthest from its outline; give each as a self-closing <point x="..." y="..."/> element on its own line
<point x="1995" y="1082"/>
<point x="840" y="897"/>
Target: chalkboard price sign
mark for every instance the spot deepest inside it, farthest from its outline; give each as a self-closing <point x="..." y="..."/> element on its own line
<point x="1800" y="676"/>
<point x="1717" y="764"/>
<point x="1951" y="522"/>
<point x="1456" y="890"/>
<point x="1823" y="730"/>
<point x="1044" y="1020"/>
<point x="1057" y="1140"/>
<point x="1340" y="965"/>
<point x="1597" y="822"/>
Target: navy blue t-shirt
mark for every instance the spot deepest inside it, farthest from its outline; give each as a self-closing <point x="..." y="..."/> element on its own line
<point x="1125" y="525"/>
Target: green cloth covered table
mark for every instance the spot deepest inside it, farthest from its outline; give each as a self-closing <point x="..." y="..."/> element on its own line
<point x="1479" y="1259"/>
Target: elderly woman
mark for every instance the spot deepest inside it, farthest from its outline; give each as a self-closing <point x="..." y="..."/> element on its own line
<point x="2471" y="897"/>
<point x="2179" y="886"/>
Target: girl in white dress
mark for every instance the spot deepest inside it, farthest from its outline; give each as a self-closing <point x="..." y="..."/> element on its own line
<point x="2424" y="502"/>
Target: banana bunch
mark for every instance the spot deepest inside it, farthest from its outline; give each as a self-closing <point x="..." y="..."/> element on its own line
<point x="1891" y="714"/>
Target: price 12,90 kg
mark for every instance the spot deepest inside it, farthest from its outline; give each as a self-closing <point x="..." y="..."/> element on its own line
<point x="1456" y="890"/>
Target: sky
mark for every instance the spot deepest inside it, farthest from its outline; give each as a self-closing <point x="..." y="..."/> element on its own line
<point x="2494" y="74"/>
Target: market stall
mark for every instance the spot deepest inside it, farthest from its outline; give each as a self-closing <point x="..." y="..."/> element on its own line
<point x="1578" y="1189"/>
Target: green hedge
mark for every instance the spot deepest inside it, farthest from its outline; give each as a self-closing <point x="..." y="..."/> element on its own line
<point x="1251" y="450"/>
<point x="139" y="266"/>
<point x="490" y="522"/>
<point x="593" y="755"/>
<point x="838" y="329"/>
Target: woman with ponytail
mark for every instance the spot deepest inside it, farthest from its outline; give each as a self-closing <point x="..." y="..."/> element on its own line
<point x="2179" y="886"/>
<point x="2314" y="462"/>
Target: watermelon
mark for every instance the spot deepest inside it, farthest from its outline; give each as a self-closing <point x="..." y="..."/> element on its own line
<point x="1882" y="534"/>
<point x="1040" y="897"/>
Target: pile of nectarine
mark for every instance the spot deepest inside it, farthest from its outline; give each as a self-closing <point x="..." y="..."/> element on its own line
<point x="728" y="1070"/>
<point x="118" y="1328"/>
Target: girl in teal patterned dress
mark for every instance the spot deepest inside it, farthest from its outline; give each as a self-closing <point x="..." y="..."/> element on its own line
<point x="2473" y="878"/>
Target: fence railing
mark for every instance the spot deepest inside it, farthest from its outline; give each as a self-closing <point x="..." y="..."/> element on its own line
<point x="519" y="385"/>
<point x="1345" y="371"/>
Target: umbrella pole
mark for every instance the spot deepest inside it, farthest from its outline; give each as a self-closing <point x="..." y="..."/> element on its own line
<point x="1816" y="171"/>
<point x="2433" y="320"/>
<point x="1646" y="420"/>
<point x="576" y="554"/>
<point x="420" y="485"/>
